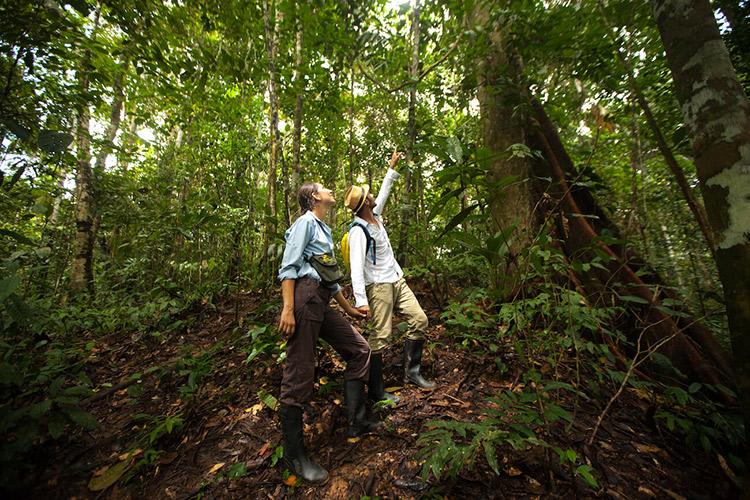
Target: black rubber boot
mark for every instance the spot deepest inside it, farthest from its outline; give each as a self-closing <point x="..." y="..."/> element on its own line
<point x="295" y="458"/>
<point x="354" y="394"/>
<point x="376" y="387"/>
<point x="413" y="363"/>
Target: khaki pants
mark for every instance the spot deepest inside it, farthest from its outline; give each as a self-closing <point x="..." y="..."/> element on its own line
<point x="387" y="298"/>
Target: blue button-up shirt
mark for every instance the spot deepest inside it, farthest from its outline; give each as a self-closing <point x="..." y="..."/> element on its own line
<point x="307" y="236"/>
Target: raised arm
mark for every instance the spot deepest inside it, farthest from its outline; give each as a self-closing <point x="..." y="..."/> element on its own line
<point x="385" y="187"/>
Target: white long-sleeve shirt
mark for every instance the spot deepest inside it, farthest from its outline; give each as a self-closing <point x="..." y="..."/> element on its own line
<point x="385" y="269"/>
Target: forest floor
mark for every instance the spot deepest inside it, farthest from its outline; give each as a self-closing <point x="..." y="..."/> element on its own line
<point x="226" y="443"/>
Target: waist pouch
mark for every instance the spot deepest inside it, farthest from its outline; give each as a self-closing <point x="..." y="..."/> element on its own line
<point x="327" y="268"/>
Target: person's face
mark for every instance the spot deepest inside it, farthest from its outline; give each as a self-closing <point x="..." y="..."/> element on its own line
<point x="324" y="196"/>
<point x="370" y="200"/>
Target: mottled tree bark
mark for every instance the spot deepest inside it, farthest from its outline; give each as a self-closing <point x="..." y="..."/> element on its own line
<point x="717" y="112"/>
<point x="82" y="272"/>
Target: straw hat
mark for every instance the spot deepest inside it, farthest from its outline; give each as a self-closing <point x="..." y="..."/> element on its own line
<point x="355" y="197"/>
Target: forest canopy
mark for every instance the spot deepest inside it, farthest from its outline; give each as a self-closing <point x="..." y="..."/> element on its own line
<point x="571" y="212"/>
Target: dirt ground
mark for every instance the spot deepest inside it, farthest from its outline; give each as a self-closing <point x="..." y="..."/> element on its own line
<point x="225" y="424"/>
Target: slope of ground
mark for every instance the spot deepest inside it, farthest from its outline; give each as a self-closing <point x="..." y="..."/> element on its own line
<point x="225" y="440"/>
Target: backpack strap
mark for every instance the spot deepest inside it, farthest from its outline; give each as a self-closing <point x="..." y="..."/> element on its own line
<point x="370" y="240"/>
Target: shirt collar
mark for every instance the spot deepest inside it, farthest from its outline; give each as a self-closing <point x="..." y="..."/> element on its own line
<point x="360" y="220"/>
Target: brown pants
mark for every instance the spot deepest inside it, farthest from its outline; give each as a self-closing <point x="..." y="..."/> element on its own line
<point x="314" y="318"/>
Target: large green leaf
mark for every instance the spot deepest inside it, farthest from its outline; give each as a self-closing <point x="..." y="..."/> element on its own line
<point x="54" y="141"/>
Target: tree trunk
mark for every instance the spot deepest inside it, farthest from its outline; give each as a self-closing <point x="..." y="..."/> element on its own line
<point x="350" y="174"/>
<point x="695" y="206"/>
<point x="82" y="272"/>
<point x="300" y="89"/>
<point x="500" y="96"/>
<point x="411" y="136"/>
<point x="115" y="116"/>
<point x="717" y="112"/>
<point x="271" y="35"/>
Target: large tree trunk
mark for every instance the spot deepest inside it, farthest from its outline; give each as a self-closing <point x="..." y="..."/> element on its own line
<point x="717" y="112"/>
<point x="503" y="125"/>
<point x="411" y="136"/>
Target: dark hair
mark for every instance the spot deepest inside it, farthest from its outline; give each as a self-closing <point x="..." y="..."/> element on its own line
<point x="305" y="195"/>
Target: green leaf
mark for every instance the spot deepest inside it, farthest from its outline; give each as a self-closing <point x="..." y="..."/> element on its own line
<point x="18" y="130"/>
<point x="56" y="425"/>
<point x="110" y="477"/>
<point x="17" y="236"/>
<point x="8" y="286"/>
<point x="585" y="472"/>
<point x="633" y="298"/>
<point x="489" y="453"/>
<point x="455" y="151"/>
<point x="82" y="418"/>
<point x="54" y="141"/>
<point x="237" y="470"/>
<point x="457" y="219"/>
<point x="268" y="399"/>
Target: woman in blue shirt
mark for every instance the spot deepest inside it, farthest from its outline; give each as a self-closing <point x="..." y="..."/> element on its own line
<point x="306" y="316"/>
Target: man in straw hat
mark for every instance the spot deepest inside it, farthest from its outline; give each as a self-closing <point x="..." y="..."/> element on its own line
<point x="379" y="285"/>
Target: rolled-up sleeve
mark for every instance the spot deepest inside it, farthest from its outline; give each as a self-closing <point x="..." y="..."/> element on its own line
<point x="385" y="190"/>
<point x="357" y="250"/>
<point x="294" y="252"/>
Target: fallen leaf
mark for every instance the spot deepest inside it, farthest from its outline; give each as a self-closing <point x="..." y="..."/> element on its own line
<point x="728" y="471"/>
<point x="646" y="448"/>
<point x="167" y="458"/>
<point x="673" y="495"/>
<point x="646" y="491"/>
<point x="101" y="470"/>
<point x="395" y="388"/>
<point x="254" y="409"/>
<point x="130" y="454"/>
<point x="513" y="471"/>
<point x="216" y="468"/>
<point x="110" y="477"/>
<point x="352" y="440"/>
<point x="264" y="449"/>
<point x="291" y="480"/>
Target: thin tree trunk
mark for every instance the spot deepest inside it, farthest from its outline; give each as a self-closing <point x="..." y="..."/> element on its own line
<point x="115" y="116"/>
<point x="411" y="134"/>
<point x="350" y="176"/>
<point x="300" y="88"/>
<point x="82" y="273"/>
<point x="271" y="33"/>
<point x="717" y="112"/>
<point x="695" y="206"/>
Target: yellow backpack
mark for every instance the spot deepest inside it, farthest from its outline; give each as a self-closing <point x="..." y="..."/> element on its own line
<point x="369" y="247"/>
